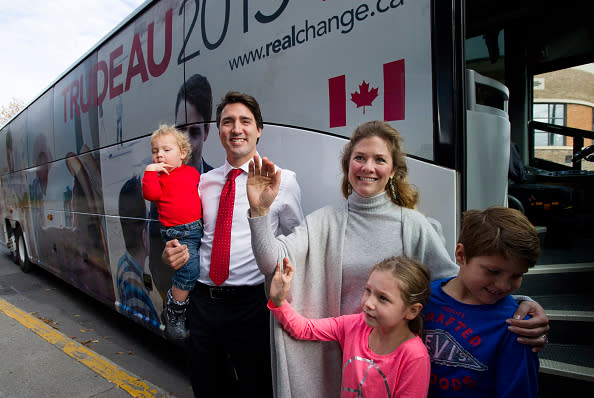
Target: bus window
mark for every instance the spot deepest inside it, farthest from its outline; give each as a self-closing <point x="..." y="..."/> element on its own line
<point x="486" y="54"/>
<point x="563" y="98"/>
<point x="39" y="131"/>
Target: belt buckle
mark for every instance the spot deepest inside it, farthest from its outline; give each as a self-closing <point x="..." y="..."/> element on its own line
<point x="221" y="293"/>
<point x="218" y="293"/>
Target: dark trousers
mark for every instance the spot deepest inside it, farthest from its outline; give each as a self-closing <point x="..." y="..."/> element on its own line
<point x="229" y="324"/>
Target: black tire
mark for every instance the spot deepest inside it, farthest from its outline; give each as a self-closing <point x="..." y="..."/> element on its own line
<point x="21" y="252"/>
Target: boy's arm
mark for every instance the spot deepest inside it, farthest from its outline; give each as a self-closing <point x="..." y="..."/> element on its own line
<point x="521" y="379"/>
<point x="151" y="189"/>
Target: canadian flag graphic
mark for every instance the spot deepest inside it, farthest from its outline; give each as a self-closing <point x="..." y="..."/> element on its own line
<point x="393" y="74"/>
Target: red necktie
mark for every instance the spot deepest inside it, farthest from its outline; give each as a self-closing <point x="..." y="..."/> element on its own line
<point x="219" y="260"/>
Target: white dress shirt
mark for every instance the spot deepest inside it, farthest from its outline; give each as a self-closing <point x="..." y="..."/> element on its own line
<point x="285" y="215"/>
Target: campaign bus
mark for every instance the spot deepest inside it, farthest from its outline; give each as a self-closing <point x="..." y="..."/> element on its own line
<point x="457" y="79"/>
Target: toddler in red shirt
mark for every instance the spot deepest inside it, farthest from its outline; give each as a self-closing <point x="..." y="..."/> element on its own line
<point x="173" y="186"/>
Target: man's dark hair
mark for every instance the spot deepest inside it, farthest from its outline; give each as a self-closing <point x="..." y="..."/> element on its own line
<point x="196" y="91"/>
<point x="233" y="97"/>
<point x="132" y="211"/>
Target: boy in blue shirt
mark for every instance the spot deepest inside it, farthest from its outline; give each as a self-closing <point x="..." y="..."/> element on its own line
<point x="472" y="352"/>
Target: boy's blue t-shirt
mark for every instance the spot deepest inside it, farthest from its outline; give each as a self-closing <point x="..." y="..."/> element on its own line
<point x="472" y="352"/>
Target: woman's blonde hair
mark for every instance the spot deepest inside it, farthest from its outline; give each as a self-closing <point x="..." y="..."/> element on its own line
<point x="182" y="140"/>
<point x="414" y="281"/>
<point x="400" y="191"/>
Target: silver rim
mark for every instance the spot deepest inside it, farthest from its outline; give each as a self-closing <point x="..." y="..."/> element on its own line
<point x="21" y="248"/>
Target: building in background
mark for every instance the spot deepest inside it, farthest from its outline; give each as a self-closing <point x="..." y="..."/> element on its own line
<point x="564" y="98"/>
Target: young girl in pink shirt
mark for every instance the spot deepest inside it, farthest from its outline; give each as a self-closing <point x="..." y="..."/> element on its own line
<point x="382" y="353"/>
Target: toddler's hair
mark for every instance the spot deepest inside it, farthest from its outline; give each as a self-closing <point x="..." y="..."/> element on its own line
<point x="182" y="140"/>
<point x="499" y="231"/>
<point x="414" y="280"/>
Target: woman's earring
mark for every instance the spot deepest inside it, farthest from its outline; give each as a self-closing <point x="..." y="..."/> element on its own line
<point x="349" y="188"/>
<point x="392" y="187"/>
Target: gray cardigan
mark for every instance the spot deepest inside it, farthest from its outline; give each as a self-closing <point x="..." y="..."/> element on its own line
<point x="313" y="369"/>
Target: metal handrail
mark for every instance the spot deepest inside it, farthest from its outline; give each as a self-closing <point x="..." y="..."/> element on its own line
<point x="578" y="136"/>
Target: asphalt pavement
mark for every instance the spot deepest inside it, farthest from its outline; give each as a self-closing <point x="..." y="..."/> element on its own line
<point x="39" y="361"/>
<point x="44" y="354"/>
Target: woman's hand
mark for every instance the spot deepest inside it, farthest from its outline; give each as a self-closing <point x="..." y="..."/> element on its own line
<point x="262" y="185"/>
<point x="175" y="255"/>
<point x="532" y="331"/>
<point x="281" y="282"/>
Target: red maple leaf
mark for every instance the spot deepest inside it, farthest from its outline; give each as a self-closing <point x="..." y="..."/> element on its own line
<point x="364" y="97"/>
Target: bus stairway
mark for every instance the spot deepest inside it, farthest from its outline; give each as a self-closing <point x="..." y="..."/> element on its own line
<point x="566" y="292"/>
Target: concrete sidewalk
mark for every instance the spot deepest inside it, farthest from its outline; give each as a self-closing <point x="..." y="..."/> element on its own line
<point x="38" y="361"/>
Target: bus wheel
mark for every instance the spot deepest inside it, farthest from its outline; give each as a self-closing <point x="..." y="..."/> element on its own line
<point x="14" y="256"/>
<point x="21" y="252"/>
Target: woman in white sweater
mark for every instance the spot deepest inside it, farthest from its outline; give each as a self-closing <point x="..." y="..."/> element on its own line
<point x="335" y="247"/>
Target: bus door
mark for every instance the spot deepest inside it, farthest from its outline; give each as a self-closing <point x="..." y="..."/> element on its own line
<point x="543" y="53"/>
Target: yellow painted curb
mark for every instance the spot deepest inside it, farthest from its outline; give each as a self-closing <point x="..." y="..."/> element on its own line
<point x="129" y="383"/>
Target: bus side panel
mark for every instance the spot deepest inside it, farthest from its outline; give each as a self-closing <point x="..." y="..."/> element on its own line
<point x="16" y="144"/>
<point x="39" y="131"/>
<point x="40" y="148"/>
<point x="71" y="229"/>
<point x="326" y="66"/>
<point x="15" y="195"/>
<point x="143" y="74"/>
<point x="128" y="234"/>
<point x="4" y="185"/>
<point x="72" y="240"/>
<point x="3" y="153"/>
<point x="75" y="113"/>
<point x="438" y="196"/>
<point x="15" y="198"/>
